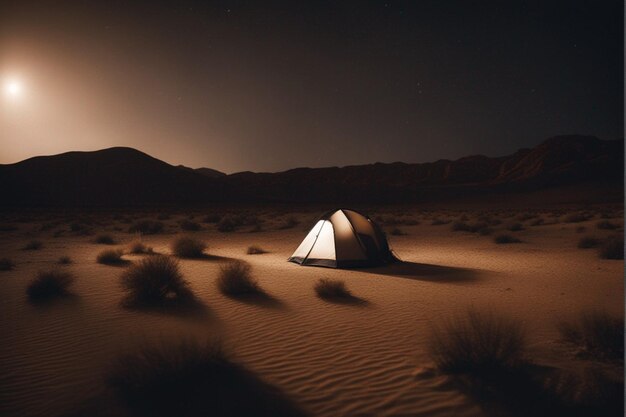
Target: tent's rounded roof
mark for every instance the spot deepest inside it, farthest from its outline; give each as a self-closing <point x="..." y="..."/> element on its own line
<point x="343" y="238"/>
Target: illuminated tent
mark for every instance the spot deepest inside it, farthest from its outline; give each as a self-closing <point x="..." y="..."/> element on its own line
<point x="344" y="239"/>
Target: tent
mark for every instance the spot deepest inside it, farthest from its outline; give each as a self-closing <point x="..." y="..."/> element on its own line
<point x="344" y="239"/>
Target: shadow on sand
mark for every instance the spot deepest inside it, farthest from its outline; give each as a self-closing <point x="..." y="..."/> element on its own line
<point x="191" y="308"/>
<point x="426" y="272"/>
<point x="351" y="300"/>
<point x="261" y="299"/>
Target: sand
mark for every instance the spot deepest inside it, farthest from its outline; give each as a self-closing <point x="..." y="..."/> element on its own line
<point x="334" y="359"/>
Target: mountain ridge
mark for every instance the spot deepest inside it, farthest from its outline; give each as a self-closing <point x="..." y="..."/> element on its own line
<point x="126" y="176"/>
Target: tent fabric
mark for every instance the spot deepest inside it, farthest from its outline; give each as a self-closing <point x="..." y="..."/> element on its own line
<point x="344" y="238"/>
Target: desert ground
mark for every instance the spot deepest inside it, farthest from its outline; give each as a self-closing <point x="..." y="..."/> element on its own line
<point x="367" y="355"/>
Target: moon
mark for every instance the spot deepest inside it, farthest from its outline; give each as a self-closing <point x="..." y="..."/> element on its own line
<point x="13" y="88"/>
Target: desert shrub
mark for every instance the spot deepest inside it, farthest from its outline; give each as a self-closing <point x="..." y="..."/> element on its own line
<point x="255" y="250"/>
<point x="189" y="225"/>
<point x="467" y="227"/>
<point x="78" y="227"/>
<point x="49" y="284"/>
<point x="612" y="247"/>
<point x="155" y="280"/>
<point x="138" y="248"/>
<point x="526" y="216"/>
<point x="64" y="260"/>
<point x="212" y="218"/>
<point x="587" y="242"/>
<point x="581" y="229"/>
<point x="192" y="379"/>
<point x="188" y="247"/>
<point x="6" y="264"/>
<point x="110" y="257"/>
<point x="164" y="216"/>
<point x="104" y="239"/>
<point x="504" y="239"/>
<point x="576" y="218"/>
<point x="235" y="278"/>
<point x="290" y="223"/>
<point x="478" y="344"/>
<point x="439" y="222"/>
<point x="147" y="227"/>
<point x="607" y="225"/>
<point x="229" y="223"/>
<point x="539" y="221"/>
<point x="597" y="334"/>
<point x="396" y="231"/>
<point x="515" y="227"/>
<point x="33" y="245"/>
<point x="327" y="288"/>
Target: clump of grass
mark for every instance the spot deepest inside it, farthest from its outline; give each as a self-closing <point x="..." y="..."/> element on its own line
<point x="155" y="280"/>
<point x="587" y="242"/>
<point x="6" y="264"/>
<point x="576" y="218"/>
<point x="396" y="231"/>
<point x="49" y="284"/>
<point x="212" y="218"/>
<point x="33" y="245"/>
<point x="539" y="221"/>
<point x="235" y="279"/>
<point x="515" y="227"/>
<point x="229" y="223"/>
<point x="164" y="216"/>
<point x="597" y="334"/>
<point x="189" y="225"/>
<point x="138" y="248"/>
<point x="290" y="223"/>
<point x="504" y="239"/>
<point x="612" y="247"/>
<point x="479" y="344"/>
<point x="607" y="225"/>
<point x="110" y="257"/>
<point x="188" y="247"/>
<point x="439" y="222"/>
<point x="327" y="288"/>
<point x="104" y="239"/>
<point x="193" y="379"/>
<point x="147" y="227"/>
<point x="64" y="260"/>
<point x="255" y="250"/>
<point x="461" y="226"/>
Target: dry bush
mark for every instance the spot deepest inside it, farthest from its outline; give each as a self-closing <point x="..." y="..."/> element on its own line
<point x="396" y="231"/>
<point x="191" y="379"/>
<point x="229" y="223"/>
<point x="612" y="247"/>
<point x="515" y="227"/>
<point x="155" y="280"/>
<point x="212" y="218"/>
<point x="290" y="223"/>
<point x="147" y="227"/>
<point x="607" y="225"/>
<point x="587" y="242"/>
<point x="6" y="264"/>
<point x="235" y="279"/>
<point x="188" y="247"/>
<point x="64" y="260"/>
<point x="439" y="222"/>
<point x="597" y="334"/>
<point x="255" y="250"/>
<point x="327" y="288"/>
<point x="104" y="239"/>
<point x="49" y="284"/>
<point x="33" y="245"/>
<point x="138" y="248"/>
<point x="189" y="225"/>
<point x="479" y="344"/>
<point x="576" y="218"/>
<point x="539" y="221"/>
<point x="504" y="239"/>
<point x="477" y="227"/>
<point x="110" y="257"/>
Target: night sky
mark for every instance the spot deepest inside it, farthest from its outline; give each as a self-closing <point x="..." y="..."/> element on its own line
<point x="237" y="85"/>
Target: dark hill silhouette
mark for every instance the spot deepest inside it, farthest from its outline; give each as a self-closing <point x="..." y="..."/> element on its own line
<point x="125" y="176"/>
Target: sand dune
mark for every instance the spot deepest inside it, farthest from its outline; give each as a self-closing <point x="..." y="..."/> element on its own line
<point x="334" y="359"/>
